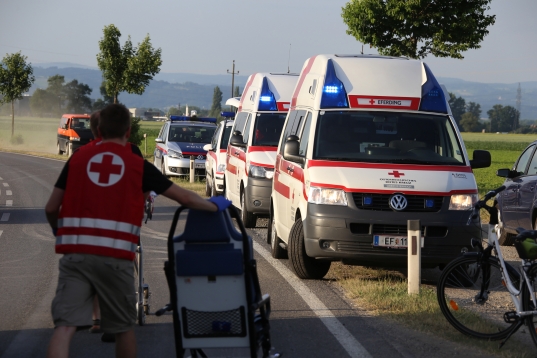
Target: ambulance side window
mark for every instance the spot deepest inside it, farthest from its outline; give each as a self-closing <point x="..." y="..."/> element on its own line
<point x="304" y="136"/>
<point x="246" y="134"/>
<point x="298" y="121"/>
<point x="287" y="129"/>
<point x="240" y="120"/>
<point x="216" y="135"/>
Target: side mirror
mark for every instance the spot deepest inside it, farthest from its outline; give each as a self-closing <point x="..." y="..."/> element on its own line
<point x="506" y="173"/>
<point x="208" y="147"/>
<point x="237" y="140"/>
<point x="64" y="126"/>
<point x="159" y="140"/>
<point x="291" y="149"/>
<point x="481" y="159"/>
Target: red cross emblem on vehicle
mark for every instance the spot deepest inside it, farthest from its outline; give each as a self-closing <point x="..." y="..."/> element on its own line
<point x="396" y="174"/>
<point x="372" y="101"/>
<point x="105" y="169"/>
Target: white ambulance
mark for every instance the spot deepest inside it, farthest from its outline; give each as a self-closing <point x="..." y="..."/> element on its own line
<point x="252" y="147"/>
<point x="369" y="143"/>
<point x="215" y="164"/>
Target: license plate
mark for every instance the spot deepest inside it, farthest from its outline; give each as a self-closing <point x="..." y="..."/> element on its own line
<point x="199" y="165"/>
<point x="398" y="242"/>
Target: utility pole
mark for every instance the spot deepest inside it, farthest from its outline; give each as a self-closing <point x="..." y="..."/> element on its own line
<point x="232" y="79"/>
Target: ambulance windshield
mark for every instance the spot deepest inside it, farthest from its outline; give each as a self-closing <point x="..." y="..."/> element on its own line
<point x="268" y="128"/>
<point x="387" y="137"/>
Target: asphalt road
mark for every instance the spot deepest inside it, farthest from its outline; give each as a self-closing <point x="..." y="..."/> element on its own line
<point x="309" y="318"/>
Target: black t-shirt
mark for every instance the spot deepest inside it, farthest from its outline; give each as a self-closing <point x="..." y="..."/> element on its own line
<point x="152" y="178"/>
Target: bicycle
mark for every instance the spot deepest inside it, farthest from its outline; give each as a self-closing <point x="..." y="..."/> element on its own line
<point x="485" y="297"/>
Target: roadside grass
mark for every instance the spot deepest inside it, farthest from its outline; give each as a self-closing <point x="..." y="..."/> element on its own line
<point x="384" y="294"/>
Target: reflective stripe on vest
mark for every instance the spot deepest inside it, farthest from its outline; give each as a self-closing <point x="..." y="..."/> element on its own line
<point x="97" y="241"/>
<point x="99" y="224"/>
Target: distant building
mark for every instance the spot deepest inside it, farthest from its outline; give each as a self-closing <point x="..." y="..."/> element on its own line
<point x="137" y="112"/>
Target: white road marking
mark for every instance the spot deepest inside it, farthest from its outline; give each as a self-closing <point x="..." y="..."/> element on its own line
<point x="9" y="202"/>
<point x="1" y="232"/>
<point x="5" y="184"/>
<point x="344" y="337"/>
<point x="5" y="217"/>
<point x="9" y="192"/>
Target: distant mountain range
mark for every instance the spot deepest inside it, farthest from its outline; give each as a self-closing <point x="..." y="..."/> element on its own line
<point x="171" y="89"/>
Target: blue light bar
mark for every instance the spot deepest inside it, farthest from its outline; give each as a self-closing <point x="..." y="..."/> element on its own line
<point x="190" y="119"/>
<point x="267" y="101"/>
<point x="334" y="94"/>
<point x="432" y="95"/>
<point x="228" y="114"/>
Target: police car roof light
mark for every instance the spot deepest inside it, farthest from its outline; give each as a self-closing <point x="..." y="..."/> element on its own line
<point x="267" y="101"/>
<point x="190" y="119"/>
<point x="334" y="94"/>
<point x="228" y="114"/>
<point x="432" y="95"/>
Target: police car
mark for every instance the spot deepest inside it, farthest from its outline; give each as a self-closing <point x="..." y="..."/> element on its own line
<point x="179" y="139"/>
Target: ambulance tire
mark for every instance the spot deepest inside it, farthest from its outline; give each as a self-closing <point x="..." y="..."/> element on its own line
<point x="248" y="219"/>
<point x="59" y="151"/>
<point x="276" y="250"/>
<point x="305" y="267"/>
<point x="207" y="187"/>
<point x="68" y="150"/>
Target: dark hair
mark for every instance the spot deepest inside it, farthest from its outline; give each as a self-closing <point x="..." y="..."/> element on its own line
<point x="114" y="121"/>
<point x="94" y="123"/>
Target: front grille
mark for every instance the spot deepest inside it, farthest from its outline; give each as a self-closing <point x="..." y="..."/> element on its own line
<point x="393" y="229"/>
<point x="381" y="202"/>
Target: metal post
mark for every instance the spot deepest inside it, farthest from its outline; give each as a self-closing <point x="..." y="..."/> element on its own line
<point x="192" y="169"/>
<point x="232" y="80"/>
<point x="145" y="138"/>
<point x="414" y="256"/>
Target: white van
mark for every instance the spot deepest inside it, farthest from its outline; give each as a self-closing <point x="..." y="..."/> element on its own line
<point x="369" y="143"/>
<point x="215" y="164"/>
<point x="252" y="147"/>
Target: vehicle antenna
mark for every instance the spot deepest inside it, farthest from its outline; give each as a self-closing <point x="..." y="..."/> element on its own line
<point x="289" y="59"/>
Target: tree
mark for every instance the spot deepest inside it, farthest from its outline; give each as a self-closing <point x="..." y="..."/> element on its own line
<point x="503" y="119"/>
<point x="470" y="123"/>
<point x="42" y="102"/>
<point x="77" y="95"/>
<point x="129" y="68"/>
<point x="173" y="111"/>
<point x="56" y="90"/>
<point x="135" y="136"/>
<point x="474" y="108"/>
<point x="100" y="103"/>
<point x="216" y="107"/>
<point x="16" y="78"/>
<point x="458" y="107"/>
<point x="415" y="28"/>
<point x="236" y="93"/>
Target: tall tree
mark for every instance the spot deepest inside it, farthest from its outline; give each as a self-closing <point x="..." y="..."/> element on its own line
<point x="16" y="78"/>
<point x="216" y="106"/>
<point x="100" y="103"/>
<point x="77" y="95"/>
<point x="415" y="28"/>
<point x="503" y="119"/>
<point x="458" y="107"/>
<point x="474" y="108"/>
<point x="42" y="102"/>
<point x="236" y="93"/>
<point x="56" y="90"/>
<point x="126" y="68"/>
<point x="470" y="123"/>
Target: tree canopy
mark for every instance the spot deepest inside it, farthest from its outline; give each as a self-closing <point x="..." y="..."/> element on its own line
<point x="415" y="28"/>
<point x="126" y="68"/>
<point x="458" y="107"/>
<point x="503" y="119"/>
<point x="16" y="78"/>
<point x="216" y="106"/>
<point x="60" y="97"/>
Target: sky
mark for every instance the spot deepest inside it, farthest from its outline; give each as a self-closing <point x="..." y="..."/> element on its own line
<point x="205" y="36"/>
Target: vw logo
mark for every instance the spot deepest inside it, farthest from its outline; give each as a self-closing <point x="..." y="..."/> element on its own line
<point x="200" y="157"/>
<point x="398" y="202"/>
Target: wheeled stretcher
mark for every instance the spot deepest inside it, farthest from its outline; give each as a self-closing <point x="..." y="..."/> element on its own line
<point x="214" y="288"/>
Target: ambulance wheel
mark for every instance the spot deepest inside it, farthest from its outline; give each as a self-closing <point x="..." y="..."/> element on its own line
<point x="276" y="250"/>
<point x="248" y="219"/>
<point x="213" y="187"/>
<point x="304" y="266"/>
<point x="207" y="187"/>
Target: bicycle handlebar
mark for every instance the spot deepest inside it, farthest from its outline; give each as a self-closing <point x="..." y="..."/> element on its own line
<point x="524" y="234"/>
<point x="483" y="203"/>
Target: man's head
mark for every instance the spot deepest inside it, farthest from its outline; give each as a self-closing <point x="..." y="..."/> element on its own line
<point x="114" y="121"/>
<point x="94" y="123"/>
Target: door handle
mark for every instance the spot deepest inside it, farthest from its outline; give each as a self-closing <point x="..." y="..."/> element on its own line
<point x="237" y="153"/>
<point x="290" y="169"/>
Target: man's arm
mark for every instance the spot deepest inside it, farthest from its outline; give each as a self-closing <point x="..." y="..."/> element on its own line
<point x="189" y="198"/>
<point x="52" y="209"/>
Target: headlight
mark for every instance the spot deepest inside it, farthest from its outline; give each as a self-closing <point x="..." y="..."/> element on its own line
<point x="462" y="201"/>
<point x="221" y="168"/>
<point x="174" y="154"/>
<point x="260" y="172"/>
<point x="74" y="138"/>
<point x="327" y="196"/>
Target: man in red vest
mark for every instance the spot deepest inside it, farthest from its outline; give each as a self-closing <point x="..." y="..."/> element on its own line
<point x="96" y="211"/>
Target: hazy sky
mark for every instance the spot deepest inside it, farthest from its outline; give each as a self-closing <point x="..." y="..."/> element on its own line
<point x="205" y="36"/>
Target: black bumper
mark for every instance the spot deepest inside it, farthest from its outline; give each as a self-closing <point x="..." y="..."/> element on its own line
<point x="346" y="233"/>
<point x="257" y="196"/>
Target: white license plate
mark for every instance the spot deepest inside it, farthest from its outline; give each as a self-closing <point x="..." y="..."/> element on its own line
<point x="399" y="242"/>
<point x="199" y="165"/>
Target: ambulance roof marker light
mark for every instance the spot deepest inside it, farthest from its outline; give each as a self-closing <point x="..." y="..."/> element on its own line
<point x="267" y="101"/>
<point x="432" y="95"/>
<point x="334" y="94"/>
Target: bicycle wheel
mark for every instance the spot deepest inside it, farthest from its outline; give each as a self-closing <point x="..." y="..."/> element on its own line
<point x="473" y="304"/>
<point x="527" y="303"/>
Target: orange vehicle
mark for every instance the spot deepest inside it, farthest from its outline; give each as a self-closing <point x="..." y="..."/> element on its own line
<point x="73" y="132"/>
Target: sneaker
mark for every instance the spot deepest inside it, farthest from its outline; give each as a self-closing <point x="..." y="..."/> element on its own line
<point x="108" y="337"/>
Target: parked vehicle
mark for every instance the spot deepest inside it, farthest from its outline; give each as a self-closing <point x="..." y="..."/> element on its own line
<point x="179" y="139"/>
<point x="368" y="144"/>
<point x="215" y="165"/>
<point x="251" y="153"/>
<point x="517" y="204"/>
<point x="73" y="132"/>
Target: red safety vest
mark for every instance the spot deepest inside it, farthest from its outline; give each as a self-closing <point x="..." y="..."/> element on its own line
<point x="102" y="208"/>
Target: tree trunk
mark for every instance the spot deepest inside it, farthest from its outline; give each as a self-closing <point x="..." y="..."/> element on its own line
<point x="12" y="117"/>
<point x="115" y="98"/>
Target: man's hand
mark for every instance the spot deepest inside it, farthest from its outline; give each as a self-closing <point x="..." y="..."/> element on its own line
<point x="220" y="202"/>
